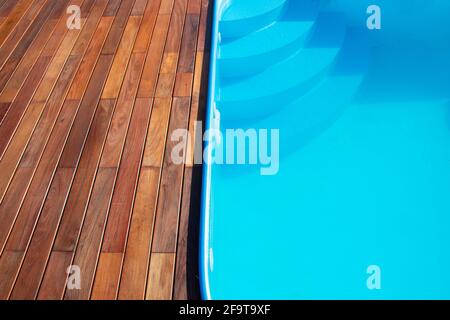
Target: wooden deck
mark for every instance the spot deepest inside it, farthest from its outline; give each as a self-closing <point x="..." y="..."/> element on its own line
<point x="86" y="177"/>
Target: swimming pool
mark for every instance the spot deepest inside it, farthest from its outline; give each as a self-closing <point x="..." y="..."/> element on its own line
<point x="358" y="206"/>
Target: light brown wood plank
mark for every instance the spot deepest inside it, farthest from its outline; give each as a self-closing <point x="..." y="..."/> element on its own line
<point x="157" y="133"/>
<point x="119" y="67"/>
<point x="105" y="285"/>
<point x="148" y="24"/>
<point x="160" y="277"/>
<point x="154" y="57"/>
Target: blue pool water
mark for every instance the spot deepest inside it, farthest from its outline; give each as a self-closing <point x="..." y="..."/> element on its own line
<point x="364" y="160"/>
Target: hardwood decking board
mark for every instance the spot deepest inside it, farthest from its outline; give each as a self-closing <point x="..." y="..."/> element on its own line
<point x="89" y="244"/>
<point x="6" y="6"/>
<point x="148" y="24"/>
<point x="23" y="68"/>
<point x="160" y="277"/>
<point x="37" y="143"/>
<point x="27" y="39"/>
<point x="21" y="138"/>
<point x="166" y="225"/>
<point x="149" y="78"/>
<point x="55" y="201"/>
<point x="137" y="255"/>
<point x="118" y="27"/>
<point x="176" y="26"/>
<point x="119" y="67"/>
<point x="24" y="24"/>
<point x="139" y="8"/>
<point x="86" y="173"/>
<point x="123" y="198"/>
<point x="12" y="118"/>
<point x="111" y="9"/>
<point x="13" y="19"/>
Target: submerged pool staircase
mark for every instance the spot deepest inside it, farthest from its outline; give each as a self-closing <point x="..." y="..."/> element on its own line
<point x="278" y="60"/>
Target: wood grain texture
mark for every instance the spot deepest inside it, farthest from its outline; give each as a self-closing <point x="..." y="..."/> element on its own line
<point x="86" y="124"/>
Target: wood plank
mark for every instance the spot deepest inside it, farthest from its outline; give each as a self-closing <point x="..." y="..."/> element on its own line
<point x="189" y="44"/>
<point x="116" y="136"/>
<point x="147" y="27"/>
<point x="28" y="38"/>
<point x="123" y="198"/>
<point x="137" y="254"/>
<point x="29" y="216"/>
<point x="40" y="247"/>
<point x="20" y="74"/>
<point x="111" y="9"/>
<point x="84" y="179"/>
<point x="160" y="277"/>
<point x="18" y="107"/>
<point x="186" y="285"/>
<point x="127" y="96"/>
<point x="17" y="145"/>
<point x="157" y="133"/>
<point x="105" y="287"/>
<point x="154" y="57"/>
<point x="183" y="85"/>
<point x="90" y="58"/>
<point x="55" y="276"/>
<point x="119" y="67"/>
<point x="32" y="155"/>
<point x="8" y="261"/>
<point x="166" y="225"/>
<point x="139" y="8"/>
<point x="176" y="26"/>
<point x="33" y="263"/>
<point x="6" y="7"/>
<point x="20" y="183"/>
<point x="118" y="26"/>
<point x="13" y="18"/>
<point x="89" y="245"/>
<point x="16" y="35"/>
<point x="204" y="34"/>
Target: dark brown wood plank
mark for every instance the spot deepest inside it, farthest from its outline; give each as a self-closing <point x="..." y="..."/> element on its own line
<point x="13" y="18"/>
<point x="29" y="36"/>
<point x="6" y="6"/>
<point x="43" y="237"/>
<point x="28" y="60"/>
<point x="16" y="35"/>
<point x="33" y="153"/>
<point x="17" y="145"/>
<point x="118" y="27"/>
<point x="148" y="24"/>
<point x="123" y="198"/>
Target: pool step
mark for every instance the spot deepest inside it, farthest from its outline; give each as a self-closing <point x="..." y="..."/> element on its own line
<point x="264" y="93"/>
<point x="245" y="16"/>
<point x="276" y="42"/>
